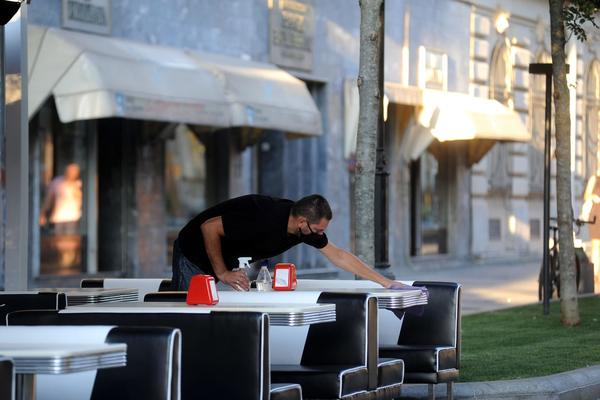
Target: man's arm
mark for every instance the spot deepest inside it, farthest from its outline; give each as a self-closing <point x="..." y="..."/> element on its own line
<point x="349" y="262"/>
<point x="212" y="231"/>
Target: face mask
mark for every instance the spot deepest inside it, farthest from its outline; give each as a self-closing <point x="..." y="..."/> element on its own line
<point x="306" y="235"/>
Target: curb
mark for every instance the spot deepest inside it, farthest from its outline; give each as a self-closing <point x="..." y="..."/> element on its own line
<point x="580" y="384"/>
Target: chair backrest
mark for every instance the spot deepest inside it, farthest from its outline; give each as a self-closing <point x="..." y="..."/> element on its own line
<point x="167" y="296"/>
<point x="143" y="285"/>
<point x="439" y="323"/>
<point x="30" y="301"/>
<point x="7" y="379"/>
<point x="350" y="340"/>
<point x="214" y="346"/>
<point x="344" y="341"/>
<point x="153" y="370"/>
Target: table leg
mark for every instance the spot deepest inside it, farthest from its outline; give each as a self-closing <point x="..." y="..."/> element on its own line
<point x="25" y="387"/>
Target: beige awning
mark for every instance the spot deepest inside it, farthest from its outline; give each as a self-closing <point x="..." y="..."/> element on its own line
<point x="93" y="76"/>
<point x="262" y="95"/>
<point x="447" y="116"/>
<point x="441" y="117"/>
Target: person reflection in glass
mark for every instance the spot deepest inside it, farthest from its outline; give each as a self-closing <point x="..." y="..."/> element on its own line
<point x="61" y="210"/>
<point x="63" y="202"/>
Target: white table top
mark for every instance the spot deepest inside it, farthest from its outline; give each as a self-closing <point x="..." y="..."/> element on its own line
<point x="61" y="358"/>
<point x="180" y="307"/>
<point x="393" y="299"/>
<point x="280" y="314"/>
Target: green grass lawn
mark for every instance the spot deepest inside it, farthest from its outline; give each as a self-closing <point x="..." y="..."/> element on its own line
<point x="521" y="342"/>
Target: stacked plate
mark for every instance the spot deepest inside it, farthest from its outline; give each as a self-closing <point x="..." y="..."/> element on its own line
<point x="65" y="358"/>
<point x="301" y="318"/>
<point x="408" y="299"/>
<point x="76" y="297"/>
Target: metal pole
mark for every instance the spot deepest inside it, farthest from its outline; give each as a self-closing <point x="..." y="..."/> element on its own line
<point x="381" y="173"/>
<point x="2" y="162"/>
<point x="546" y="69"/>
<point x="17" y="155"/>
<point x="547" y="156"/>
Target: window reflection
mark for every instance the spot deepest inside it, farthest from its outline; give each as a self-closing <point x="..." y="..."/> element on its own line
<point x="185" y="179"/>
<point x="61" y="219"/>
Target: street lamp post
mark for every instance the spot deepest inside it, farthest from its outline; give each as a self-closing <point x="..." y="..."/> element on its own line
<point x="546" y="69"/>
<point x="381" y="174"/>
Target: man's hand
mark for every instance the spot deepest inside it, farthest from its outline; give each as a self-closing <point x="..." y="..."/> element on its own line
<point x="236" y="279"/>
<point x="401" y="286"/>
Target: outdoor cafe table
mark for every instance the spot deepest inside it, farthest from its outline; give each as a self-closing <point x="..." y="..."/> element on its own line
<point x="292" y="314"/>
<point x="31" y="359"/>
<point x="389" y="299"/>
<point x="79" y="296"/>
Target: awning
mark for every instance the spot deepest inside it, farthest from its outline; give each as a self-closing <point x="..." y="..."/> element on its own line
<point x="446" y="117"/>
<point x="443" y="117"/>
<point x="94" y="76"/>
<point x="263" y="95"/>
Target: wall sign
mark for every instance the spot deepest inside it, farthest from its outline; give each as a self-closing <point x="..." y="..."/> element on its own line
<point x="87" y="15"/>
<point x="292" y="30"/>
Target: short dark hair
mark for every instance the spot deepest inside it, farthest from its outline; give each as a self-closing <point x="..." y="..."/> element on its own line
<point x="314" y="208"/>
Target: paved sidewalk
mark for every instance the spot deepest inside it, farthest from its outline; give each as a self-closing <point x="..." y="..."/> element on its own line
<point x="487" y="286"/>
<point x="581" y="384"/>
<point x="495" y="286"/>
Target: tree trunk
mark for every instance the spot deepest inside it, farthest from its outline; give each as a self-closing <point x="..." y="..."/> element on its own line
<point x="569" y="312"/>
<point x="366" y="141"/>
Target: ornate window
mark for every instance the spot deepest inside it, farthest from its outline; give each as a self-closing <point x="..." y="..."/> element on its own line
<point x="501" y="75"/>
<point x="592" y="116"/>
<point x="538" y="128"/>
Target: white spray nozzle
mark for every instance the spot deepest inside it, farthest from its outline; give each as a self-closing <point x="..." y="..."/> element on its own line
<point x="244" y="262"/>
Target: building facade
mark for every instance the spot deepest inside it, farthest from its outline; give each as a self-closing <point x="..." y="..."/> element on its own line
<point x="453" y="200"/>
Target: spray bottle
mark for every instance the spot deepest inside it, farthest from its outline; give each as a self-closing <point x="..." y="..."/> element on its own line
<point x="243" y="265"/>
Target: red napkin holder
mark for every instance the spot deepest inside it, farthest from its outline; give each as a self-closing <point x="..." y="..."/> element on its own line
<point x="202" y="290"/>
<point x="284" y="277"/>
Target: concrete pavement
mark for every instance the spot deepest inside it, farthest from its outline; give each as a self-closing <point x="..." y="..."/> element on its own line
<point x="493" y="286"/>
<point x="580" y="384"/>
<point x="486" y="287"/>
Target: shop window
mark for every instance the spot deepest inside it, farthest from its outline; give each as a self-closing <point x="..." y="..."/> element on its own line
<point x="501" y="75"/>
<point x="433" y="69"/>
<point x="534" y="229"/>
<point x="185" y="180"/>
<point x="64" y="161"/>
<point x="592" y="116"/>
<point x="494" y="229"/>
<point x="428" y="216"/>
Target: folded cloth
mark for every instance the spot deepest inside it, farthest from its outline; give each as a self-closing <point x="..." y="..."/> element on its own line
<point x="414" y="310"/>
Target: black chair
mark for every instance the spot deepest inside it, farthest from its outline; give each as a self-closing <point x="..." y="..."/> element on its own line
<point x="225" y="355"/>
<point x="30" y="301"/>
<point x="143" y="285"/>
<point x="337" y="364"/>
<point x="164" y="284"/>
<point x="429" y="344"/>
<point x="153" y="360"/>
<point x="165" y="296"/>
<point x="7" y="379"/>
<point x="335" y="355"/>
<point x="153" y="370"/>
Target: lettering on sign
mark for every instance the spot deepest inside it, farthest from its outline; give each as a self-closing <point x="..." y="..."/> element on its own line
<point x="87" y="15"/>
<point x="292" y="30"/>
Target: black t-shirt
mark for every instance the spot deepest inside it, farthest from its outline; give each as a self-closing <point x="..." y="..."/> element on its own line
<point x="254" y="225"/>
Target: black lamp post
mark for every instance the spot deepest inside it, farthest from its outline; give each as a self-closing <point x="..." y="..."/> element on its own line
<point x="546" y="69"/>
<point x="381" y="173"/>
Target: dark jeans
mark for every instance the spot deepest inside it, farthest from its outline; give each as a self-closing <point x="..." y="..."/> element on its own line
<point x="183" y="270"/>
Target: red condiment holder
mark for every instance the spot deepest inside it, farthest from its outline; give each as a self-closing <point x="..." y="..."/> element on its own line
<point x="202" y="290"/>
<point x="284" y="277"/>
